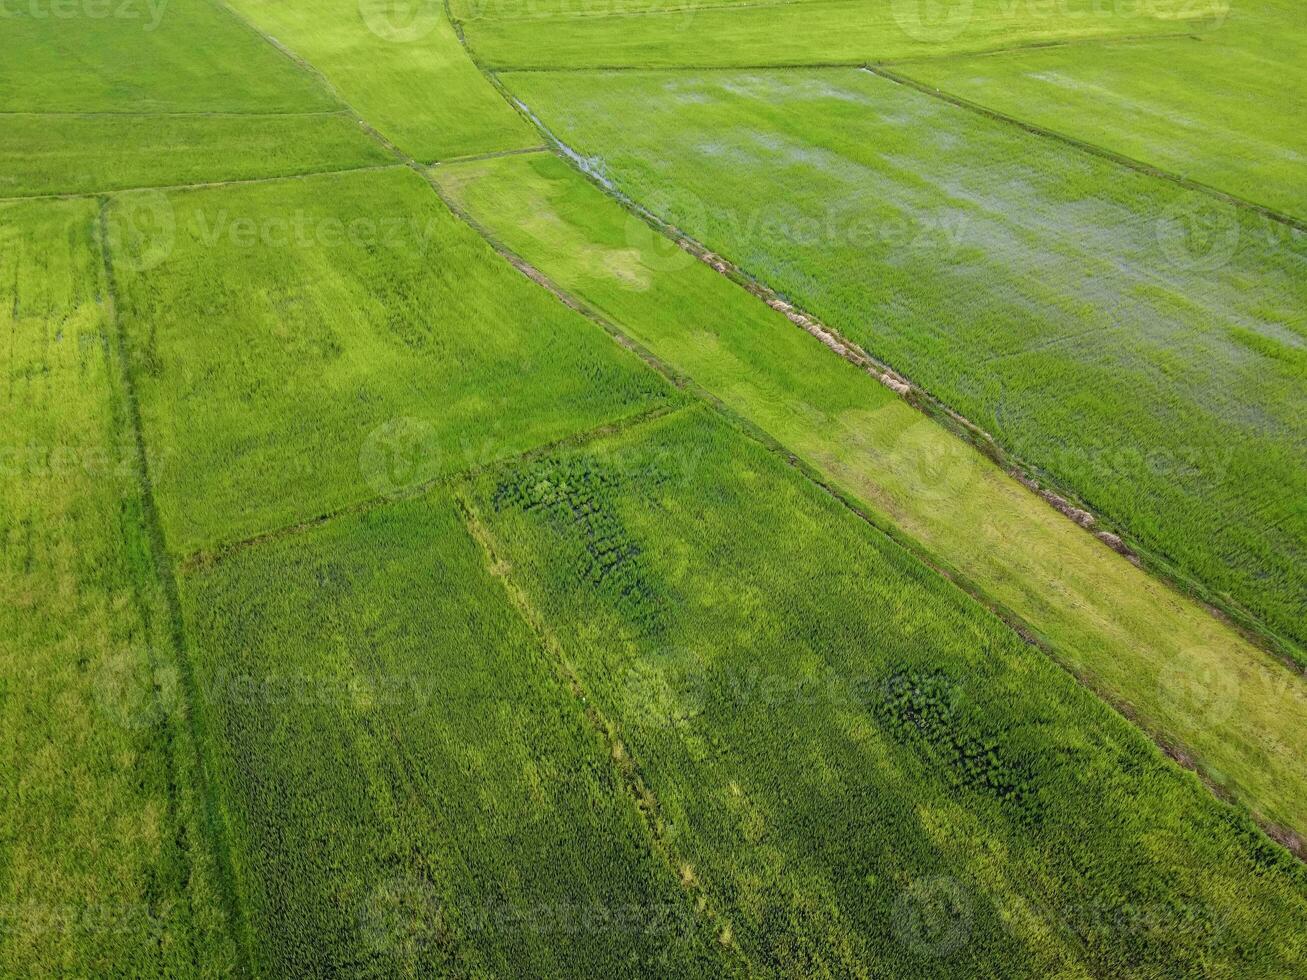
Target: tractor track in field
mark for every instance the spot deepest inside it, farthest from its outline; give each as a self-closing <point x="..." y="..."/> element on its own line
<point x="628" y="768"/>
<point x="1093" y="149"/>
<point x="214" y="824"/>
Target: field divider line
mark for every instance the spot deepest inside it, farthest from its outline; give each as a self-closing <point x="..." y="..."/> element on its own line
<point x="623" y="761"/>
<point x="201" y="185"/>
<point x="205" y="558"/>
<point x="478" y="157"/>
<point x="1094" y="149"/>
<point x="1067" y="42"/>
<point x="910" y="545"/>
<point x="213" y="815"/>
<point x="200" y="114"/>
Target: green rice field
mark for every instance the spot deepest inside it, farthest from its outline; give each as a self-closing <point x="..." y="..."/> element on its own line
<point x="647" y="488"/>
<point x="1157" y="379"/>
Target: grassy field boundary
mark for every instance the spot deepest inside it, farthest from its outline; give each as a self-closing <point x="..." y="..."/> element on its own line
<point x="1084" y="146"/>
<point x="204" y="558"/>
<point x="817" y="63"/>
<point x="201" y="185"/>
<point x="214" y="820"/>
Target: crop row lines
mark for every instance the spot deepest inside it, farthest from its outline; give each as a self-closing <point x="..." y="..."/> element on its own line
<point x="1245" y="624"/>
<point x="1060" y="498"/>
<point x="202" y="185"/>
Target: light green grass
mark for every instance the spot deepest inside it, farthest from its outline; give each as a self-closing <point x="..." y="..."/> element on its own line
<point x="1227" y="111"/>
<point x="402" y="68"/>
<point x="104" y="867"/>
<point x="869" y="774"/>
<point x="812" y="32"/>
<point x="1188" y="678"/>
<point x="413" y="789"/>
<point x="302" y="345"/>
<point x="144" y="56"/>
<point x="80" y="154"/>
<point x="1048" y="295"/>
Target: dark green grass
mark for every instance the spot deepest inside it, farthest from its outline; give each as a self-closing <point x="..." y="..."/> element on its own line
<point x="413" y="789"/>
<point x="1139" y="343"/>
<point x="144" y="56"/>
<point x="105" y="868"/>
<point x="44" y="154"/>
<point x="302" y="345"/>
<point x="867" y="773"/>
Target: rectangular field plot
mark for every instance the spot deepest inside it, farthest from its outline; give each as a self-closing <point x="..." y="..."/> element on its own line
<point x="1059" y="301"/>
<point x="1130" y="636"/>
<point x="144" y="56"/>
<point x="413" y="790"/>
<point x="57" y="154"/>
<point x="864" y="772"/>
<point x="605" y="33"/>
<point x="1226" y="111"/>
<point x="402" y="68"/>
<point x="107" y="867"/>
<point x="299" y="346"/>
